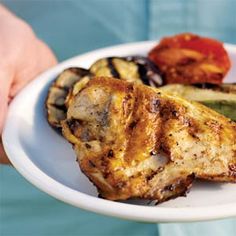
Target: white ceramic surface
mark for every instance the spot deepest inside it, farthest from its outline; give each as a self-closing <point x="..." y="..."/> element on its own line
<point x="46" y="160"/>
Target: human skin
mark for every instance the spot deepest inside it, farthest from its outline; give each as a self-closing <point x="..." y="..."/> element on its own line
<point x="23" y="57"/>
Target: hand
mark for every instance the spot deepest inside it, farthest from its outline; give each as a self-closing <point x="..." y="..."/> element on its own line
<point x="23" y="56"/>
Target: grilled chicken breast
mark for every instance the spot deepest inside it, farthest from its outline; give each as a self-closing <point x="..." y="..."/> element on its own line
<point x="133" y="141"/>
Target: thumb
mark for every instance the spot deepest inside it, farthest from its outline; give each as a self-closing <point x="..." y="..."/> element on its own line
<point x="43" y="61"/>
<point x="4" y="92"/>
<point x="3" y="156"/>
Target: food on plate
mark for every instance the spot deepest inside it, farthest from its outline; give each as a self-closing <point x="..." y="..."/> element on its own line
<point x="134" y="141"/>
<point x="133" y="68"/>
<point x="75" y="89"/>
<point x="58" y="91"/>
<point x="188" y="59"/>
<point x="136" y="69"/>
<point x="224" y="107"/>
<point x="219" y="98"/>
<point x="226" y="88"/>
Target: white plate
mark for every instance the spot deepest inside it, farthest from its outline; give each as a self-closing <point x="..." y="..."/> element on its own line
<point x="45" y="159"/>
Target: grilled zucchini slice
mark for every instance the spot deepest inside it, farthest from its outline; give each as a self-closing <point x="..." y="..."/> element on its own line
<point x="220" y="101"/>
<point x="227" y="88"/>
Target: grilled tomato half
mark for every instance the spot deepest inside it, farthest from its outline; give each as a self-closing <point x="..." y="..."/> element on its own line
<point x="188" y="59"/>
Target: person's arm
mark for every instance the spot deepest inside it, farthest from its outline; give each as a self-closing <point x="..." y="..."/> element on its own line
<point x="22" y="57"/>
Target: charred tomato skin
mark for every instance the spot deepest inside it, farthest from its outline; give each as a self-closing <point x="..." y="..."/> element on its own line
<point x="188" y="59"/>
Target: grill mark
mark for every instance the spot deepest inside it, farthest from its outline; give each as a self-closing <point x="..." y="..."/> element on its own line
<point x="148" y="72"/>
<point x="73" y="125"/>
<point x="60" y="107"/>
<point x="110" y="153"/>
<point x="112" y="68"/>
<point x="142" y="72"/>
<point x="79" y="71"/>
<point x="133" y="124"/>
<point x="91" y="164"/>
<point x="66" y="89"/>
<point x="205" y="85"/>
<point x="104" y="114"/>
<point x="132" y="110"/>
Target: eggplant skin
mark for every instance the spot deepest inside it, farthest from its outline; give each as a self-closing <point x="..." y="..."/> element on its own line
<point x="137" y="69"/>
<point x="134" y="141"/>
<point x="148" y="71"/>
<point x="55" y="102"/>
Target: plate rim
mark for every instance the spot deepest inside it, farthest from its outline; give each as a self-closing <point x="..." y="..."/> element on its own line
<point x="85" y="201"/>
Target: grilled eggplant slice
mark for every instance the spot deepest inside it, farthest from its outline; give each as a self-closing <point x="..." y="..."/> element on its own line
<point x="133" y="141"/>
<point x="57" y="94"/>
<point x="215" y="98"/>
<point x="136" y="69"/>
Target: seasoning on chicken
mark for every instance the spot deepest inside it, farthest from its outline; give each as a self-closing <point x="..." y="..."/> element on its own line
<point x="133" y="141"/>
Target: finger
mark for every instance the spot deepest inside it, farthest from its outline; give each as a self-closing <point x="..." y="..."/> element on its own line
<point x="3" y="110"/>
<point x="44" y="59"/>
<point x="9" y="100"/>
<point x="17" y="86"/>
<point x="46" y="56"/>
<point x="3" y="156"/>
<point x="4" y="92"/>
